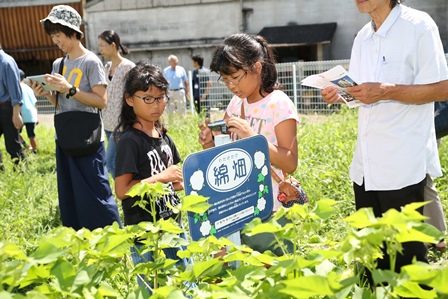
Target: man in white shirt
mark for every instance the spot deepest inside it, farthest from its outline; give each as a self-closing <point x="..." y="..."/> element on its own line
<point x="396" y="58"/>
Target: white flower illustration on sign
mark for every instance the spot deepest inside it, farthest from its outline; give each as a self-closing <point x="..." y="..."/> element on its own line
<point x="205" y="228"/>
<point x="197" y="180"/>
<point x="261" y="204"/>
<point x="264" y="170"/>
<point x="193" y="193"/>
<point x="259" y="159"/>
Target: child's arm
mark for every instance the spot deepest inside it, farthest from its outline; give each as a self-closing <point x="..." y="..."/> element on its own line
<point x="125" y="182"/>
<point x="178" y="186"/>
<point x="285" y="155"/>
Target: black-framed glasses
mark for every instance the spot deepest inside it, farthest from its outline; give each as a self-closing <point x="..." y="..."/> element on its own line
<point x="223" y="81"/>
<point x="150" y="100"/>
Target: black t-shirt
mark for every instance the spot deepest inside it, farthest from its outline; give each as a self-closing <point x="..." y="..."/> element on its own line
<point x="145" y="156"/>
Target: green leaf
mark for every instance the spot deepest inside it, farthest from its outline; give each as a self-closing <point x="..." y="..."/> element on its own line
<point x="6" y="295"/>
<point x="257" y="227"/>
<point x="266" y="189"/>
<point x="167" y="292"/>
<point x="411" y="289"/>
<point x="384" y="276"/>
<point x="421" y="272"/>
<point x="439" y="282"/>
<point x="113" y="245"/>
<point x="307" y="286"/>
<point x="208" y="268"/>
<point x="212" y="230"/>
<point x="47" y="253"/>
<point x="362" y="218"/>
<point x="11" y="250"/>
<point x="64" y="274"/>
<point x="324" y="208"/>
<point x="170" y="226"/>
<point x="35" y="274"/>
<point x="195" y="204"/>
<point x="170" y="240"/>
<point x="328" y="254"/>
<point x="81" y="279"/>
<point x="197" y="217"/>
<point x="260" y="178"/>
<point x="105" y="290"/>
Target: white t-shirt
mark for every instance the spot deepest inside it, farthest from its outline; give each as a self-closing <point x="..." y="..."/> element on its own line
<point x="396" y="144"/>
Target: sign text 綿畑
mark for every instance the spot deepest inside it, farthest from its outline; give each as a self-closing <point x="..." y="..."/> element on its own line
<point x="236" y="177"/>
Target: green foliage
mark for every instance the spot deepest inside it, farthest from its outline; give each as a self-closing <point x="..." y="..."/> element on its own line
<point x="41" y="259"/>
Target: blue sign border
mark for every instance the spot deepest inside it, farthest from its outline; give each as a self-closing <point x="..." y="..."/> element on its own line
<point x="237" y="179"/>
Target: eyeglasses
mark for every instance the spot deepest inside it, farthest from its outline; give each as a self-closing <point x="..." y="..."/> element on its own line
<point x="235" y="82"/>
<point x="150" y="100"/>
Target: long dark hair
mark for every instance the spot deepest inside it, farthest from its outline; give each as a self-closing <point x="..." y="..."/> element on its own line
<point x="242" y="51"/>
<point x="140" y="78"/>
<point x="110" y="36"/>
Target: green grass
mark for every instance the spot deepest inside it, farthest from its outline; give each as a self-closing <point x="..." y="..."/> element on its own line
<point x="29" y="201"/>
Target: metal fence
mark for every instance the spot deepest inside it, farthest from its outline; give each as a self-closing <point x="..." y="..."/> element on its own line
<point x="306" y="99"/>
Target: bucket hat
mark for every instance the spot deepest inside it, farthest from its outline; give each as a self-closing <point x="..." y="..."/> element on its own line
<point x="66" y="16"/>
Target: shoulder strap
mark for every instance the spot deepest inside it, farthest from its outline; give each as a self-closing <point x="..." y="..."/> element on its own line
<point x="61" y="66"/>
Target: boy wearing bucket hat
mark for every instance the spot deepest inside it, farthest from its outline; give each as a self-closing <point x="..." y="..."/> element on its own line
<point x="85" y="196"/>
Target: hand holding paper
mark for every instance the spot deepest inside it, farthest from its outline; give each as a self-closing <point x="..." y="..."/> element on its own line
<point x="338" y="78"/>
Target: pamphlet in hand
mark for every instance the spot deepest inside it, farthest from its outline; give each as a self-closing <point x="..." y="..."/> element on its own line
<point x="336" y="77"/>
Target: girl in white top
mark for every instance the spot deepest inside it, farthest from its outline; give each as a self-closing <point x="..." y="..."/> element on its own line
<point x="247" y="67"/>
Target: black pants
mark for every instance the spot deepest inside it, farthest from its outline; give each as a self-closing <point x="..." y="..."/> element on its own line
<point x="12" y="143"/>
<point x="381" y="201"/>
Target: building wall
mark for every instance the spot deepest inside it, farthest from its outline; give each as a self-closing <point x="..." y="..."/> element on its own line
<point x="24" y="38"/>
<point x="155" y="29"/>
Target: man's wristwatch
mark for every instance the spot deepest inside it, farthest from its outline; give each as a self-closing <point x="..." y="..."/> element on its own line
<point x="71" y="92"/>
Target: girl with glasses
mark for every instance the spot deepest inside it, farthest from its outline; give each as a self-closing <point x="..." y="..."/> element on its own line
<point x="145" y="153"/>
<point x="247" y="67"/>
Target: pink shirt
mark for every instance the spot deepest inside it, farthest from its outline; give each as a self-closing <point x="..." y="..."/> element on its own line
<point x="263" y="116"/>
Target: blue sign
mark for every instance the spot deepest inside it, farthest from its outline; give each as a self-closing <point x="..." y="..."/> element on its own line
<point x="237" y="178"/>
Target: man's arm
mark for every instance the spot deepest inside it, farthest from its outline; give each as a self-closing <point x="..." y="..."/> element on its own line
<point x="413" y="94"/>
<point x="15" y="93"/>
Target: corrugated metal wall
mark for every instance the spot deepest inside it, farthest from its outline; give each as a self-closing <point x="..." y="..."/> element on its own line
<point x="24" y="38"/>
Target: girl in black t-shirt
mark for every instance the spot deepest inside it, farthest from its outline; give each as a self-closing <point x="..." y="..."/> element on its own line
<point x="145" y="153"/>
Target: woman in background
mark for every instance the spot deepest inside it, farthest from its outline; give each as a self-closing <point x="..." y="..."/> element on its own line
<point x="116" y="69"/>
